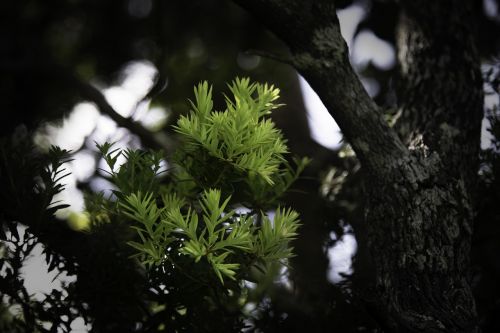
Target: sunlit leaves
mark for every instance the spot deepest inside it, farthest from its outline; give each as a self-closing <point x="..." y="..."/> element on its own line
<point x="226" y="159"/>
<point x="212" y="232"/>
<point x="209" y="239"/>
<point x="240" y="136"/>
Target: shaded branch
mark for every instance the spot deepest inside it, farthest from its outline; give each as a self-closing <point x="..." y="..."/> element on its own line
<point x="93" y="94"/>
<point x="270" y="55"/>
<point x="319" y="53"/>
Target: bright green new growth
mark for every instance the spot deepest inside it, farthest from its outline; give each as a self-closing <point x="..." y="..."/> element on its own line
<point x="239" y="146"/>
<point x="227" y="160"/>
<point x="214" y="233"/>
<point x="240" y="135"/>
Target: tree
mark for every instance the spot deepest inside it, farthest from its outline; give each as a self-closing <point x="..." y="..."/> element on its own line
<point x="420" y="184"/>
<point x="419" y="171"/>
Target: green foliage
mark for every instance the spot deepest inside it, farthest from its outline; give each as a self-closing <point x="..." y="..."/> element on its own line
<point x="186" y="239"/>
<point x="206" y="219"/>
<point x="139" y="174"/>
<point x="199" y="220"/>
<point x="237" y="147"/>
<point x="29" y="180"/>
<point x="240" y="136"/>
<point x="221" y="235"/>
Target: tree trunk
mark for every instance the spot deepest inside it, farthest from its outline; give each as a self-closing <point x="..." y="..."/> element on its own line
<point x="421" y="216"/>
<point x="419" y="187"/>
<point x="419" y="223"/>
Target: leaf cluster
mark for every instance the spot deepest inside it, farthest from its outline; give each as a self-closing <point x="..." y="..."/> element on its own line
<point x="30" y="179"/>
<point x="225" y="239"/>
<point x="188" y="231"/>
<point x="238" y="147"/>
<point x="207" y="220"/>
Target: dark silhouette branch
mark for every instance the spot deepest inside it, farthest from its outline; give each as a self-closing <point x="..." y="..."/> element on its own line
<point x="270" y="55"/>
<point x="319" y="53"/>
<point x="93" y="94"/>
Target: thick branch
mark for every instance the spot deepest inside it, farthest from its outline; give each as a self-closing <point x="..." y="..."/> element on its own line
<point x="418" y="212"/>
<point x="312" y="32"/>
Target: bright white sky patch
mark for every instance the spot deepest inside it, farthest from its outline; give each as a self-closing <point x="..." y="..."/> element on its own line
<point x="123" y="102"/>
<point x="104" y="129"/>
<point x="340" y="256"/>
<point x="83" y="165"/>
<point x="491" y="9"/>
<point x="369" y="48"/>
<point x="349" y="19"/>
<point x="153" y="118"/>
<point x="78" y="326"/>
<point x="71" y="134"/>
<point x="102" y="185"/>
<point x="491" y="100"/>
<point x="486" y="136"/>
<point x="139" y="78"/>
<point x="38" y="281"/>
<point x="324" y="129"/>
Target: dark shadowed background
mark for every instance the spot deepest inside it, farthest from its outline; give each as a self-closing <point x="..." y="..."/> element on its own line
<point x="58" y="58"/>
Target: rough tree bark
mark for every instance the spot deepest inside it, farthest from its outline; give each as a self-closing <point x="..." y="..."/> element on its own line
<point x="419" y="184"/>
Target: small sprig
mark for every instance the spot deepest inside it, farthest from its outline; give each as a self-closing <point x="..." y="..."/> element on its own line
<point x="239" y="136"/>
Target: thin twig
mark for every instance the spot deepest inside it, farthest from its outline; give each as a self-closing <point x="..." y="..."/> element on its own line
<point x="273" y="56"/>
<point x="94" y="95"/>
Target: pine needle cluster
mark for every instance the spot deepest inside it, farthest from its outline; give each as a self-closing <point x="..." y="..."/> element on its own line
<point x="213" y="204"/>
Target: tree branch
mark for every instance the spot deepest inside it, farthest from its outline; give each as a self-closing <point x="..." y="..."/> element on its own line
<point x="319" y="53"/>
<point x="269" y="55"/>
<point x="419" y="211"/>
<point x="93" y="94"/>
